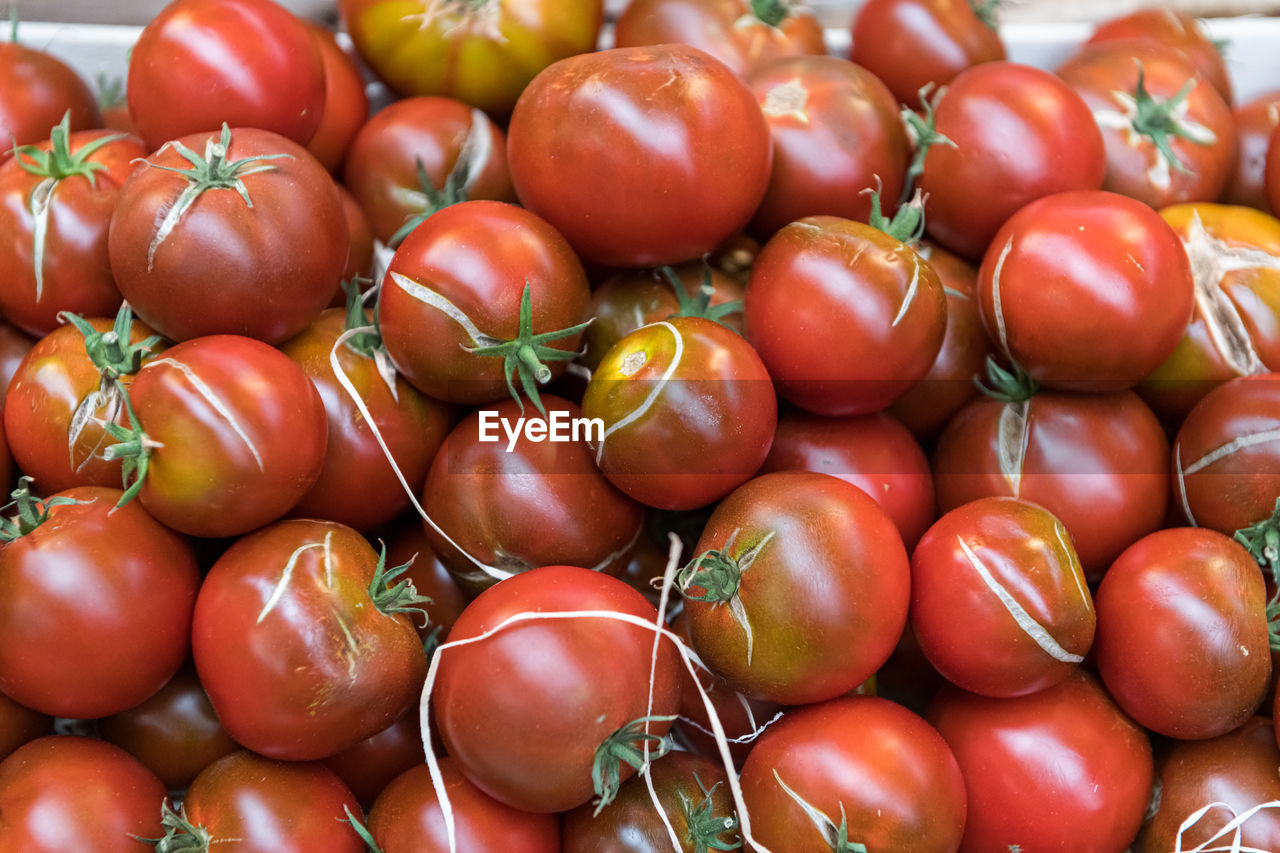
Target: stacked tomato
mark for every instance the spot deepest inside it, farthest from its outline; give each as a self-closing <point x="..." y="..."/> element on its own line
<point x="584" y="452"/>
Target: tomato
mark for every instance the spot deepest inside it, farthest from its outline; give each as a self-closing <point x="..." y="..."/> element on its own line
<point x="304" y="640"/>
<point x="359" y="245"/>
<point x="743" y="34"/>
<point x="408" y="818"/>
<point x="1011" y="567"/>
<point x="629" y="129"/>
<point x="1018" y="122"/>
<point x="854" y="771"/>
<point x="95" y="602"/>
<point x="527" y="712"/>
<point x="1060" y="769"/>
<point x="175" y="733"/>
<point x="252" y="804"/>
<point x="20" y="725"/>
<point x="345" y="104"/>
<point x="1178" y="30"/>
<point x="407" y="543"/>
<point x="911" y="43"/>
<point x="75" y="793"/>
<point x="478" y="294"/>
<point x="1255" y="122"/>
<point x="214" y="247"/>
<point x="799" y="591"/>
<point x="14" y="346"/>
<point x="1237" y="769"/>
<point x="246" y="63"/>
<point x="1272" y="171"/>
<point x="229" y="434"/>
<point x="457" y="147"/>
<point x="693" y="792"/>
<point x="688" y="411"/>
<point x="1169" y="134"/>
<point x="846" y="317"/>
<point x="481" y="53"/>
<point x="369" y="766"/>
<point x="39" y="90"/>
<point x="56" y="202"/>
<point x="1235" y="262"/>
<point x="836" y="136"/>
<point x="1129" y="291"/>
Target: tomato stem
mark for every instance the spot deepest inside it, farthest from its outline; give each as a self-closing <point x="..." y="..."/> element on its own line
<point x="134" y="450"/>
<point x="705" y="826"/>
<point x="392" y="594"/>
<point x="111" y="351"/>
<point x="180" y="835"/>
<point x="1262" y="540"/>
<point x="718" y="572"/>
<point x="361" y="830"/>
<point x="619" y="748"/>
<point x="771" y="12"/>
<point x="58" y="162"/>
<point x="700" y="304"/>
<point x="32" y="511"/>
<point x="907" y="225"/>
<point x="1162" y="121"/>
<point x="985" y="11"/>
<point x="923" y="130"/>
<point x="1008" y="386"/>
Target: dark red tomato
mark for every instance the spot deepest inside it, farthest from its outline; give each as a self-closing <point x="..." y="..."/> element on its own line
<point x="216" y="247"/>
<point x="1236" y="769"/>
<point x="57" y="404"/>
<point x="692" y="792"/>
<point x="19" y="724"/>
<point x="14" y="346"/>
<point x="500" y="505"/>
<point x="407" y="543"/>
<point x="359" y="244"/>
<point x="1235" y="323"/>
<point x="1097" y="462"/>
<point x="1061" y="769"/>
<point x="95" y="602"/>
<point x="56" y="202"/>
<point x="175" y="733"/>
<point x="451" y="142"/>
<point x="799" y="591"/>
<point x="1019" y="134"/>
<point x="1226" y="459"/>
<point x="305" y="640"/>
<point x="1171" y="28"/>
<point x="526" y="712"/>
<point x="357" y="485"/>
<point x="345" y="104"/>
<point x="688" y="411"/>
<point x="1128" y="290"/>
<point x="75" y="793"/>
<point x="408" y="818"/>
<point x="836" y="136"/>
<point x="907" y="677"/>
<point x="927" y="407"/>
<point x="854" y="771"/>
<point x="846" y="317"/>
<point x="1272" y="172"/>
<point x="743" y="34"/>
<point x="246" y="63"/>
<point x="1255" y="122"/>
<point x="370" y="765"/>
<point x="1182" y="633"/>
<point x="1169" y="135"/>
<point x="453" y="305"/>
<point x="911" y="43"/>
<point x="251" y="804"/>
<point x="39" y="90"/>
<point x="628" y="130"/>
<point x="1010" y="567"/>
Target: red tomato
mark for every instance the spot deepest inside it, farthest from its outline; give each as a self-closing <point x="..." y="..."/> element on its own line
<point x="1255" y="122"/>
<point x="527" y="712"/>
<point x="369" y="766"/>
<point x="1272" y="172"/>
<point x="836" y="136"/>
<point x="628" y="129"/>
<point x="95" y="602"/>
<point x="1061" y="769"/>
<point x="911" y="43"/>
<point x="1128" y="290"/>
<point x="688" y="411"/>
<point x="246" y="63"/>
<point x="1171" y="28"/>
<point x="1009" y="565"/>
<point x="345" y="104"/>
<point x="20" y="725"/>
<point x="407" y="543"/>
<point x="359" y="245"/>
<point x="304" y="640"/>
<point x="194" y="259"/>
<point x="39" y="90"/>
<point x="1018" y="134"/>
<point x="14" y="346"/>
<point x="74" y="793"/>
<point x="855" y="773"/>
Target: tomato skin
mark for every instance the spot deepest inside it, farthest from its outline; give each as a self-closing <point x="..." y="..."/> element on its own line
<point x="1173" y="29"/>
<point x="369" y="766"/>
<point x="39" y="90"/>
<point x="897" y="781"/>
<point x="1012" y="120"/>
<point x="910" y="43"/>
<point x="408" y="542"/>
<point x="297" y="660"/>
<point x="523" y="711"/>
<point x="626" y="124"/>
<point x="63" y="793"/>
<point x="873" y="318"/>
<point x="82" y="656"/>
<point x="1061" y="769"/>
<point x="359" y="247"/>
<point x="689" y="413"/>
<point x="346" y="106"/>
<point x="20" y="725"/>
<point x="247" y="63"/>
<point x="1273" y="170"/>
<point x="1131" y="295"/>
<point x="836" y="134"/>
<point x="14" y="346"/>
<point x="1255" y="122"/>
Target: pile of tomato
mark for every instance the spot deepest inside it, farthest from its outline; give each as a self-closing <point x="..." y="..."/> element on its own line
<point x="698" y="444"/>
